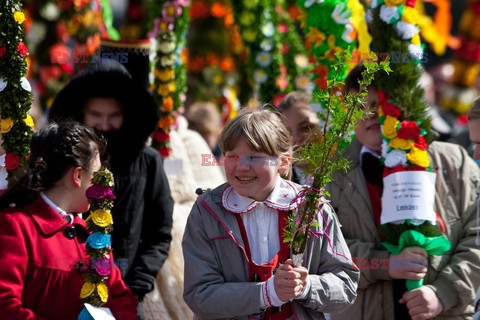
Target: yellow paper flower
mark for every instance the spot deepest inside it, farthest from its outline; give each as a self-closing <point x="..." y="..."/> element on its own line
<point x="163" y="90"/>
<point x="418" y="157"/>
<point x="87" y="290"/>
<point x="29" y="121"/>
<point x="102" y="218"/>
<point x="315" y="37"/>
<point x="394" y="2"/>
<point x="164" y="75"/>
<point x="6" y="125"/>
<point x="390" y="127"/>
<point x="102" y="290"/>
<point x="172" y="86"/>
<point x="403" y="144"/>
<point x="416" y="40"/>
<point x="19" y="17"/>
<point x="410" y="15"/>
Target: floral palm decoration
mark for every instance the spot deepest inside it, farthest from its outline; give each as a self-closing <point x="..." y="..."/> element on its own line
<point x="332" y="26"/>
<point x="408" y="217"/>
<point x="272" y="44"/>
<point x="321" y="157"/>
<point x="95" y="291"/>
<point x="15" y="90"/>
<point x="214" y="46"/>
<point x="170" y="22"/>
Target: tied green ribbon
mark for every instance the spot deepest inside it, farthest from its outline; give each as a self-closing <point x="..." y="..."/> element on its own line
<point x="107" y="15"/>
<point x="434" y="246"/>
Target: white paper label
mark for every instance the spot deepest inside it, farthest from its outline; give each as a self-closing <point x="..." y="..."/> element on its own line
<point x="99" y="313"/>
<point x="408" y="195"/>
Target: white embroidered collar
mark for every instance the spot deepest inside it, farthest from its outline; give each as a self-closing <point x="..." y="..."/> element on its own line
<point x="280" y="199"/>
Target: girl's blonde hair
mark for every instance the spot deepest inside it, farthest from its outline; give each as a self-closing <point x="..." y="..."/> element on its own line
<point x="263" y="131"/>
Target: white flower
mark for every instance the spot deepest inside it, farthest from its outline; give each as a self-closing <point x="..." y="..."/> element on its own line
<point x="374" y="4"/>
<point x="37" y="33"/>
<point x="385" y="148"/>
<point x="341" y="16"/>
<point x="417" y="222"/>
<point x="301" y="60"/>
<point x="166" y="47"/>
<point x="3" y="84"/>
<point x="389" y="15"/>
<point x="264" y="59"/>
<point x="406" y="30"/>
<point x="25" y="84"/>
<point x="266" y="44"/>
<point x="50" y="12"/>
<point x="346" y="34"/>
<point x="260" y="76"/>
<point x="302" y="82"/>
<point x="310" y="3"/>
<point x="416" y="51"/>
<point x="395" y="157"/>
<point x="268" y="29"/>
<point x="398" y="222"/>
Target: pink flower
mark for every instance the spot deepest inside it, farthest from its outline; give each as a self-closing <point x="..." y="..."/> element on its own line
<point x="171" y="10"/>
<point x="103" y="267"/>
<point x="183" y="3"/>
<point x="283" y="28"/>
<point x="22" y="49"/>
<point x="97" y="191"/>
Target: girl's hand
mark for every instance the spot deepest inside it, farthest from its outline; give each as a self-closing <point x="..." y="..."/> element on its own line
<point x="290" y="281"/>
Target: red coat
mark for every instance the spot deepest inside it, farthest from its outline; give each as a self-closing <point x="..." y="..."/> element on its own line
<point x="37" y="278"/>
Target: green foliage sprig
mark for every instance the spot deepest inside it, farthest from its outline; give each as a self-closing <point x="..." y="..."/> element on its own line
<point x="320" y="156"/>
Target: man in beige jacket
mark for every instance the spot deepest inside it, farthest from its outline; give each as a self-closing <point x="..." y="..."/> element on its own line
<point x="451" y="279"/>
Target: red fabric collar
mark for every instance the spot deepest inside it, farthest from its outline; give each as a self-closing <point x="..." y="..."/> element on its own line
<point x="49" y="221"/>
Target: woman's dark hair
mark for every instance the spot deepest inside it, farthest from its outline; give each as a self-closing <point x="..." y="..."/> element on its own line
<point x="53" y="151"/>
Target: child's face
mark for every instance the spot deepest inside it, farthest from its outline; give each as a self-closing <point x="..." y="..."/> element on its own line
<point x="253" y="174"/>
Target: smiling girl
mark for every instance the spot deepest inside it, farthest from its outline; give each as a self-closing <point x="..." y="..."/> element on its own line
<point x="236" y="263"/>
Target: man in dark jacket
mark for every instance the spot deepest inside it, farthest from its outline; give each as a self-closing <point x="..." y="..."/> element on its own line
<point x="107" y="99"/>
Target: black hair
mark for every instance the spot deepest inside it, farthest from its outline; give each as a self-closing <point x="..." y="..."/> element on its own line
<point x="54" y="150"/>
<point x="353" y="77"/>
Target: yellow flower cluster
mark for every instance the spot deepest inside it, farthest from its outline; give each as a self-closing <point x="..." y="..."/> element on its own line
<point x="394" y="2"/>
<point x="418" y="157"/>
<point x="411" y="15"/>
<point x="404" y="144"/>
<point x="19" y="17"/>
<point x="6" y="125"/>
<point x="88" y="289"/>
<point x="390" y="127"/>
<point x="102" y="218"/>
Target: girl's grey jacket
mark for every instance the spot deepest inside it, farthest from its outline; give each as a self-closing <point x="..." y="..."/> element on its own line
<point x="217" y="273"/>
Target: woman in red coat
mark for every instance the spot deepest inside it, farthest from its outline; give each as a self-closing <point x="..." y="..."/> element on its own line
<point x="42" y="237"/>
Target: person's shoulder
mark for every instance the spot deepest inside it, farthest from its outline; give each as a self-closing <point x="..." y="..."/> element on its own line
<point x="150" y="153"/>
<point x="13" y="216"/>
<point x="450" y="153"/>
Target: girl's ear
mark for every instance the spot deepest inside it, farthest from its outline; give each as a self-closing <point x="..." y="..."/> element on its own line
<point x="285" y="162"/>
<point x="76" y="176"/>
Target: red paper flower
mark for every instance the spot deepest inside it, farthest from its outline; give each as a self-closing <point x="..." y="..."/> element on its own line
<point x="11" y="161"/>
<point x="165" y="152"/>
<point x="160" y="136"/>
<point x="22" y="49"/>
<point x="410" y="3"/>
<point x="388" y="108"/>
<point x="408" y="130"/>
<point x="420" y="143"/>
<point x="3" y="50"/>
<point x="415" y="168"/>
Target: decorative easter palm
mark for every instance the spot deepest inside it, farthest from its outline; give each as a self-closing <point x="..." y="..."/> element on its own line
<point x="321" y="157"/>
<point x="95" y="291"/>
<point x="408" y="217"/>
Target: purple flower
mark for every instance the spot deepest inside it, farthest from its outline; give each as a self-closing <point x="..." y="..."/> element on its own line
<point x="171" y="10"/>
<point x="98" y="191"/>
